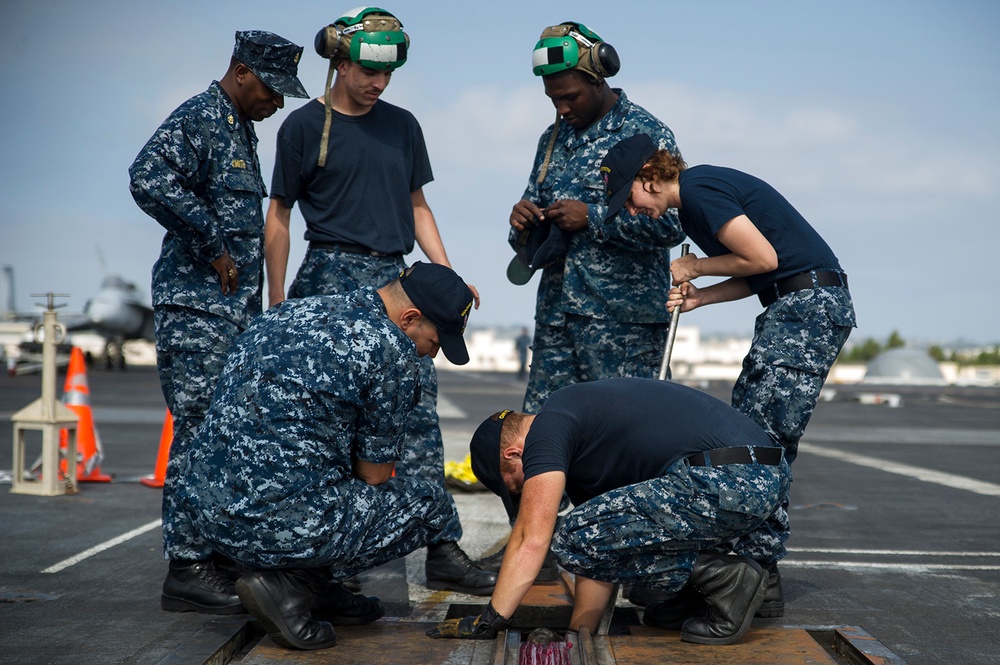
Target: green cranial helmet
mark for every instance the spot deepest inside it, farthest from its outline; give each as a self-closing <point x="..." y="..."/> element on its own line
<point x="369" y="36"/>
<point x="573" y="45"/>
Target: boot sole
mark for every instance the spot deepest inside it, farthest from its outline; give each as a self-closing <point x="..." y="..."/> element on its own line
<point x="772" y="610"/>
<point x="758" y="599"/>
<point x="447" y="586"/>
<point x="344" y="620"/>
<point x="258" y="603"/>
<point x="171" y="604"/>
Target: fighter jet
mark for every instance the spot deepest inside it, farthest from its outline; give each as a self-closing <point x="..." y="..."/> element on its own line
<point x="118" y="314"/>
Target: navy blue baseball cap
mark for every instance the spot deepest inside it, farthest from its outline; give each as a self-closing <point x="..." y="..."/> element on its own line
<point x="273" y="59"/>
<point x="485" y="451"/>
<point x="537" y="247"/>
<point x="445" y="299"/>
<point x="620" y="167"/>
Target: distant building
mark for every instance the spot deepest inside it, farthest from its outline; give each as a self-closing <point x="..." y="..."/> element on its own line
<point x="490" y="350"/>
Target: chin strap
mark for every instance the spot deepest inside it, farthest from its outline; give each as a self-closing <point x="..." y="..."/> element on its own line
<point x="327" y="105"/>
<point x="548" y="151"/>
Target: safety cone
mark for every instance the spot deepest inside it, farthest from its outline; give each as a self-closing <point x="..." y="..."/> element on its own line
<point x="160" y="472"/>
<point x="76" y="396"/>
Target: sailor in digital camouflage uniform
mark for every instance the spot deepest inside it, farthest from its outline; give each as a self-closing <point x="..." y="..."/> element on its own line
<point x="356" y="169"/>
<point x="658" y="474"/>
<point x="290" y="474"/>
<point x="599" y="309"/>
<point x="751" y="234"/>
<point x="198" y="177"/>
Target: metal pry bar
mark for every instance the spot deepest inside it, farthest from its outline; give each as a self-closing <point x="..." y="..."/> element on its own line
<point x="672" y="331"/>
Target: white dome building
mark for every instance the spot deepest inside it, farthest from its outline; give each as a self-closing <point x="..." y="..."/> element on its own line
<point x="904" y="366"/>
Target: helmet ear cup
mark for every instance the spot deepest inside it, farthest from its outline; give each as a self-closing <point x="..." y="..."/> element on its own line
<point x="328" y="41"/>
<point x="606" y="59"/>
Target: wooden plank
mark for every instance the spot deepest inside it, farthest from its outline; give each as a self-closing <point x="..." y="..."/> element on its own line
<point x="760" y="646"/>
<point x="379" y="643"/>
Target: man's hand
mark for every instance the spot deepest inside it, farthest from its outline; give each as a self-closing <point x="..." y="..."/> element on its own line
<point x="228" y="275"/>
<point x="482" y="627"/>
<point x="687" y="295"/>
<point x="475" y="294"/>
<point x="568" y="215"/>
<point x="525" y="215"/>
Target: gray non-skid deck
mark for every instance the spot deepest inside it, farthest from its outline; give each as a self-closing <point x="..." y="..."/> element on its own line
<point x="893" y="514"/>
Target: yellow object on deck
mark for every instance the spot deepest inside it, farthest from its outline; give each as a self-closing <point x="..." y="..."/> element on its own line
<point x="459" y="476"/>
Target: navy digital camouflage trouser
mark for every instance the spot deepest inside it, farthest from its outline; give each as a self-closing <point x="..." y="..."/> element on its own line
<point x="796" y="341"/>
<point x="327" y="272"/>
<point x="588" y="349"/>
<point x="356" y="526"/>
<point x="191" y="349"/>
<point x="649" y="534"/>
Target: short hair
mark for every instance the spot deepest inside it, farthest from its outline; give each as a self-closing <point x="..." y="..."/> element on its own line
<point x="663" y="165"/>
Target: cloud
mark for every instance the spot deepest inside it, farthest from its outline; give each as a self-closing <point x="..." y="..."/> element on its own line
<point x="489" y="129"/>
<point x="846" y="153"/>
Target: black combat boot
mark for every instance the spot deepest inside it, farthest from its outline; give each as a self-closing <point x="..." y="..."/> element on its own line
<point x="734" y="588"/>
<point x="643" y="595"/>
<point x="449" y="567"/>
<point x="228" y="569"/>
<point x="774" y="598"/>
<point x="337" y="605"/>
<point x="671" y="612"/>
<point x="548" y="573"/>
<point x="195" y="586"/>
<point x="282" y="601"/>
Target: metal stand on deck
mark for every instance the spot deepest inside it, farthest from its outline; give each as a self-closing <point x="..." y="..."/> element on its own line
<point x="49" y="416"/>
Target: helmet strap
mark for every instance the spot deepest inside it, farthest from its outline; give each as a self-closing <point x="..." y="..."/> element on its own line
<point x="327" y="106"/>
<point x="548" y="152"/>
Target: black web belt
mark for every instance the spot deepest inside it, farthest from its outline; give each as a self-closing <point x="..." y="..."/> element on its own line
<point x="348" y="247"/>
<point x="804" y="280"/>
<point x="738" y="455"/>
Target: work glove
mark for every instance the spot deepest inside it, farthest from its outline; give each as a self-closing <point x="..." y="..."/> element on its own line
<point x="482" y="627"/>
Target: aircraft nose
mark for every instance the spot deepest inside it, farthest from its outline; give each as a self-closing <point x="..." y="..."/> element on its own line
<point x="113" y="317"/>
<point x="100" y="311"/>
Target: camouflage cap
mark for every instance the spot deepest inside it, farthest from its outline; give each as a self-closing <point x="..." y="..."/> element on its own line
<point x="273" y="59"/>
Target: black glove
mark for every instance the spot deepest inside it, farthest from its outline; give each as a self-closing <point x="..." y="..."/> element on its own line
<point x="482" y="627"/>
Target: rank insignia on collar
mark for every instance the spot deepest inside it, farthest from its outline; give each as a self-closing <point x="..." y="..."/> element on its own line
<point x="230" y="118"/>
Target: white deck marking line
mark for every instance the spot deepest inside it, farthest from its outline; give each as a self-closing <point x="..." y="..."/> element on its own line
<point x="447" y="409"/>
<point x="900" y="567"/>
<point x="820" y="550"/>
<point x="96" y="549"/>
<point x="920" y="473"/>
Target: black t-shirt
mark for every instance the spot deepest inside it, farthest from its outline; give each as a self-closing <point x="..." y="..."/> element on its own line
<point x="617" y="432"/>
<point x="362" y="195"/>
<point x="713" y="195"/>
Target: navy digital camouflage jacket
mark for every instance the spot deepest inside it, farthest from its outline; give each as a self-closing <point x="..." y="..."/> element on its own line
<point x="311" y="386"/>
<point x="199" y="177"/>
<point x="609" y="273"/>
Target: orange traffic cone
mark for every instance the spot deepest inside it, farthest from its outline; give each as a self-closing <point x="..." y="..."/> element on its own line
<point x="76" y="396"/>
<point x="160" y="472"/>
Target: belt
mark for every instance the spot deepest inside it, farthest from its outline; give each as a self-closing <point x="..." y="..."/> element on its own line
<point x="804" y="280"/>
<point x="349" y="247"/>
<point x="738" y="455"/>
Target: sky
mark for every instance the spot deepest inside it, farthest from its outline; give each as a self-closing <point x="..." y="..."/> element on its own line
<point x="877" y="119"/>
